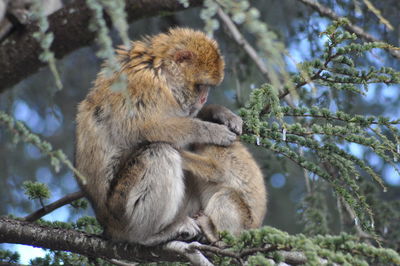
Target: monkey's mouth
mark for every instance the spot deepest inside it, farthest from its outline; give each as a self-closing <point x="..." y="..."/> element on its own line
<point x="203" y="97"/>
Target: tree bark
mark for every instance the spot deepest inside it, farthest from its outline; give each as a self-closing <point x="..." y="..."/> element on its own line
<point x="19" y="53"/>
<point x="21" y="232"/>
<point x="93" y="246"/>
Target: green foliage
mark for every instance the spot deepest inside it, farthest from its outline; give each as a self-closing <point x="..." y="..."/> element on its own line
<point x="54" y="258"/>
<point x="45" y="39"/>
<point x="207" y="13"/>
<point x="267" y="41"/>
<point x="86" y="224"/>
<point x="7" y="256"/>
<point x="259" y="245"/>
<point x="36" y="190"/>
<point x="89" y="225"/>
<point x="116" y="10"/>
<point x="387" y="217"/>
<point x="322" y="133"/>
<point x="56" y="224"/>
<point x="106" y="51"/>
<point x="21" y="132"/>
<point x="259" y="259"/>
<point x="269" y="45"/>
<point x="314" y="214"/>
<point x="337" y="68"/>
<point x="80" y="204"/>
<point x="313" y="137"/>
<point x="58" y="258"/>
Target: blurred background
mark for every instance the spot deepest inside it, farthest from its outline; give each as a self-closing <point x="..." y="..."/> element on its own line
<point x="50" y="113"/>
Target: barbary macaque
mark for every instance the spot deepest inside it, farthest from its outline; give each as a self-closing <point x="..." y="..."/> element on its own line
<point x="127" y="148"/>
<point x="133" y="146"/>
<point x="225" y="182"/>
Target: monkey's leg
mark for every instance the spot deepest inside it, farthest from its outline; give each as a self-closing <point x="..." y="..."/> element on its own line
<point x="147" y="196"/>
<point x="207" y="228"/>
<point x="203" y="167"/>
<point x="228" y="211"/>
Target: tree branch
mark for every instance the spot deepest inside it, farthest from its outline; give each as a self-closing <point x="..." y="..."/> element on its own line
<point x="22" y="232"/>
<point x="241" y="40"/>
<point x="327" y="12"/>
<point x="55" y="205"/>
<point x="238" y="37"/>
<point x="186" y="249"/>
<point x="19" y="53"/>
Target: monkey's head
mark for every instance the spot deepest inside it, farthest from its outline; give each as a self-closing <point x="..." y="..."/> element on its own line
<point x="192" y="64"/>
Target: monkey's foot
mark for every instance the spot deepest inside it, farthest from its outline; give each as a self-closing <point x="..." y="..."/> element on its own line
<point x="188" y="230"/>
<point x="207" y="227"/>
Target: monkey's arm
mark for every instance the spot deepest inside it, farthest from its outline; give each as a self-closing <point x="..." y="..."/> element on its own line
<point x="221" y="115"/>
<point x="182" y="131"/>
<point x="202" y="167"/>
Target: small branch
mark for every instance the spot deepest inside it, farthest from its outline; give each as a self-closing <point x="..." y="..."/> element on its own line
<point x="305" y="173"/>
<point x="393" y="122"/>
<point x="120" y="263"/>
<point x="317" y="75"/>
<point x="55" y="205"/>
<point x="327" y="12"/>
<point x="217" y="251"/>
<point x="238" y="37"/>
<point x="42" y="203"/>
<point x="291" y="257"/>
<point x="361" y="233"/>
<point x="190" y="251"/>
<point x="251" y="251"/>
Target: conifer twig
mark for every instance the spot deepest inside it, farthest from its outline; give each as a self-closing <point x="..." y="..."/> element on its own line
<point x="327" y="12"/>
<point x="55" y="205"/>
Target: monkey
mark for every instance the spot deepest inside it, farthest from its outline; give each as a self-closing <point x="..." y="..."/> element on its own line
<point x="127" y="143"/>
<point x="225" y="183"/>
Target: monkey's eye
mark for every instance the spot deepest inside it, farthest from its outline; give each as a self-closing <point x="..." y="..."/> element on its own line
<point x="200" y="87"/>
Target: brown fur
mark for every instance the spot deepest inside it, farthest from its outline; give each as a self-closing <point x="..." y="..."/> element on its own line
<point x="230" y="187"/>
<point x="126" y="147"/>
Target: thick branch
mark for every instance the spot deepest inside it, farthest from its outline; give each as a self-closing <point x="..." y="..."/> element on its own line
<point x="19" y="53"/>
<point x="27" y="233"/>
<point x="55" y="205"/>
<point x="21" y="232"/>
<point x="327" y="12"/>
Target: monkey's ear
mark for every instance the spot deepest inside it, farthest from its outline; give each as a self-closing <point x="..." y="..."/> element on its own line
<point x="183" y="55"/>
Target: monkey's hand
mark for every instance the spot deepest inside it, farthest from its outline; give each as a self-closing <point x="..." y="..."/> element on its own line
<point x="221" y="115"/>
<point x="219" y="134"/>
<point x="231" y="120"/>
<point x="182" y="131"/>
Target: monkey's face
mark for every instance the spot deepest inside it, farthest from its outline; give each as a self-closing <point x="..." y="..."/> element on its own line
<point x="201" y="95"/>
<point x="201" y="72"/>
<point x="190" y="77"/>
<point x="192" y="63"/>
